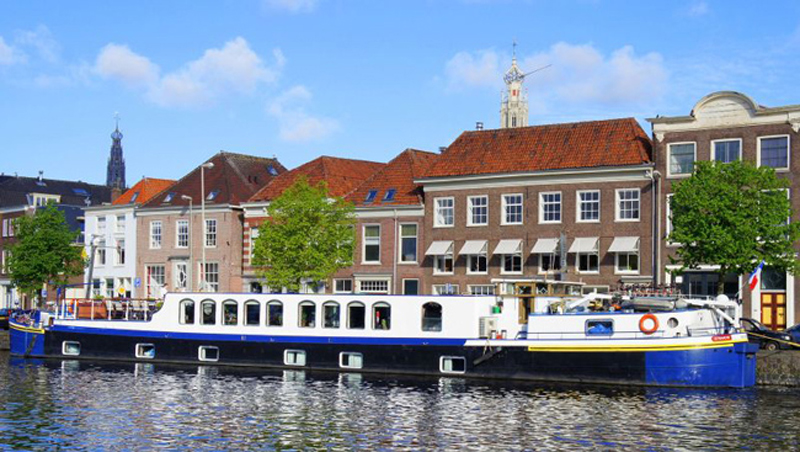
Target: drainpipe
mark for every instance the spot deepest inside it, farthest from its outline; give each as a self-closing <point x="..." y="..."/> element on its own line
<point x="655" y="188"/>
<point x="395" y="253"/>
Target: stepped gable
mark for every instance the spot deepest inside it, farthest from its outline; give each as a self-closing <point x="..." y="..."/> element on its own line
<point x="143" y="191"/>
<point x="399" y="175"/>
<point x="614" y="142"/>
<point x="234" y="177"/>
<point x="341" y="175"/>
<point x="14" y="191"/>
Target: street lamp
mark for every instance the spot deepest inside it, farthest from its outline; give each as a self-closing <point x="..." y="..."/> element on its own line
<point x="208" y="165"/>
<point x="191" y="244"/>
<point x="92" y="248"/>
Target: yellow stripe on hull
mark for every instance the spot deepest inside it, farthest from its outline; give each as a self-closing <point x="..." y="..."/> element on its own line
<point x="26" y="329"/>
<point x="629" y="348"/>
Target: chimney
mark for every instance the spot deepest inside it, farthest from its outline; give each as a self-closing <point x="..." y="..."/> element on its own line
<point x="41" y="174"/>
<point x="116" y="192"/>
<point x="479" y="125"/>
<point x="442" y="149"/>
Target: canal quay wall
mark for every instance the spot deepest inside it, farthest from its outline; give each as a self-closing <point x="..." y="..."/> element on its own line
<point x="4" y="344"/>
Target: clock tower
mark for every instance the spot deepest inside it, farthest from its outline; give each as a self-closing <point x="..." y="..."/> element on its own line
<point x="115" y="172"/>
<point x="514" y="101"/>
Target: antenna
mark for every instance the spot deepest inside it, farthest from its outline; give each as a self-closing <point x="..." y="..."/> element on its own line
<point x="116" y="117"/>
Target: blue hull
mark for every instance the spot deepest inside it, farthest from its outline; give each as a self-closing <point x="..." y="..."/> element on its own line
<point x="716" y="367"/>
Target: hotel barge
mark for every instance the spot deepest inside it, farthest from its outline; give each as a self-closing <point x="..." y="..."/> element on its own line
<point x="696" y="343"/>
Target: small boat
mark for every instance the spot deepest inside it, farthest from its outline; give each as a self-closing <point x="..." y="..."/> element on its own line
<point x="595" y="338"/>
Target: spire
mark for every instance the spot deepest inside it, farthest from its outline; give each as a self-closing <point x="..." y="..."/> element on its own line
<point x="514" y="103"/>
<point x="115" y="172"/>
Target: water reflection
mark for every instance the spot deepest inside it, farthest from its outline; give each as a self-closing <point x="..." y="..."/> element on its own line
<point x="85" y="405"/>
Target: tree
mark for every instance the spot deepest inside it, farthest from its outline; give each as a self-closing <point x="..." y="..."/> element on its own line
<point x="44" y="252"/>
<point x="309" y="236"/>
<point x="733" y="215"/>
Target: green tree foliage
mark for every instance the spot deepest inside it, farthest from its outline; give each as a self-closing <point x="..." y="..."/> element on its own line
<point x="45" y="251"/>
<point x="308" y="236"/>
<point x="733" y="215"/>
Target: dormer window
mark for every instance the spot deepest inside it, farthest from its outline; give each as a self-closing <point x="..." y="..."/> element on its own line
<point x="212" y="195"/>
<point x="371" y="195"/>
<point x="169" y="197"/>
<point x="389" y="196"/>
<point x="272" y="171"/>
<point x="80" y="191"/>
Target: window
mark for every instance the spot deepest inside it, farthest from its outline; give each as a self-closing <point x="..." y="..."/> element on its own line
<point x="381" y="316"/>
<point x="408" y="243"/>
<point x="372" y="244"/>
<point x="726" y="151"/>
<point x="681" y="158"/>
<point x="371" y="196"/>
<point x="478" y="211"/>
<point x="431" y="316"/>
<point x="389" y="195"/>
<point x="294" y="357"/>
<point x="230" y="314"/>
<point x="452" y="364"/>
<point x="154" y="281"/>
<point x="373" y="286"/>
<point x="211" y="277"/>
<point x="169" y="196"/>
<point x="101" y="225"/>
<point x="101" y="253"/>
<point x="445" y="289"/>
<point x="6" y="221"/>
<point x="512" y="263"/>
<point x="356" y="316"/>
<point x="208" y="353"/>
<point x="181" y="276"/>
<point x="628" y="204"/>
<point x="550" y="207"/>
<point x="70" y="348"/>
<point x="588" y="206"/>
<point x="208" y="312"/>
<point x="120" y="252"/>
<point x="773" y="152"/>
<point x="155" y="234"/>
<point x="212" y="195"/>
<point x="588" y="262"/>
<point x="549" y="262"/>
<point x="350" y="360"/>
<point x="211" y="233"/>
<point x="627" y="262"/>
<point x="182" y="234"/>
<point x="483" y="289"/>
<point x="443" y="264"/>
<point x="599" y="327"/>
<point x="444" y="212"/>
<point x="146" y="351"/>
<point x="252" y="313"/>
<point x="512" y="209"/>
<point x="477" y="264"/>
<point x="274" y="313"/>
<point x="343" y="286"/>
<point x="330" y="315"/>
<point x="186" y="312"/>
<point x="254" y="233"/>
<point x="120" y="224"/>
<point x="109" y="288"/>
<point x="308" y="314"/>
<point x="410" y="287"/>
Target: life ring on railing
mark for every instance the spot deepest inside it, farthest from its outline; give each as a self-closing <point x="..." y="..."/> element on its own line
<point x="645" y="318"/>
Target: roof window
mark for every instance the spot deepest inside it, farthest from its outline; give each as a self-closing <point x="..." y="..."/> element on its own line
<point x="389" y="196"/>
<point x="135" y="195"/>
<point x="212" y="195"/>
<point x="169" y="197"/>
<point x="371" y="195"/>
<point x="271" y="170"/>
<point x="80" y="191"/>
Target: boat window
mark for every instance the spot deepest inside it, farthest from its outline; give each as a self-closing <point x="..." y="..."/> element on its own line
<point x="381" y="316"/>
<point x="351" y="360"/>
<point x="208" y="353"/>
<point x="252" y="313"/>
<point x="274" y="313"/>
<point x="70" y="348"/>
<point x="209" y="312"/>
<point x="229" y="312"/>
<point x="186" y="312"/>
<point x="308" y="314"/>
<point x="294" y="358"/>
<point x="452" y="364"/>
<point x="147" y="351"/>
<point x="330" y="315"/>
<point x="355" y="315"/>
<point x="431" y="317"/>
<point x="599" y="327"/>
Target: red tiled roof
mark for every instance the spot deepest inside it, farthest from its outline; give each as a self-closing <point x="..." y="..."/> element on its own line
<point x="398" y="174"/>
<point x="341" y="175"/>
<point x="235" y="178"/>
<point x="588" y="144"/>
<point x="146" y="189"/>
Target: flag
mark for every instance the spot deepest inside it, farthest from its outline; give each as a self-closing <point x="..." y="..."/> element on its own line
<point x="754" y="276"/>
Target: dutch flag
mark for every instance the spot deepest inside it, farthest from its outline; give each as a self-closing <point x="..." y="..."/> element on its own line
<point x="754" y="276"/>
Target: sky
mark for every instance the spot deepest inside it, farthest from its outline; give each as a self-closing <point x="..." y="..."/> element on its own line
<point x="297" y="79"/>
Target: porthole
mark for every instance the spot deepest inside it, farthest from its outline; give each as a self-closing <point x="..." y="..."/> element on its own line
<point x="208" y="353"/>
<point x="70" y="348"/>
<point x="294" y="357"/>
<point x="147" y="351"/>
<point x="673" y="322"/>
<point x="452" y="364"/>
<point x="351" y="360"/>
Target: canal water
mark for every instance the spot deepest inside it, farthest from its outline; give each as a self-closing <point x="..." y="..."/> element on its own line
<point x="72" y="405"/>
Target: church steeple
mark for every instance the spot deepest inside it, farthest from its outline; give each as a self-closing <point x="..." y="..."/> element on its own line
<point x="514" y="102"/>
<point x="115" y="173"/>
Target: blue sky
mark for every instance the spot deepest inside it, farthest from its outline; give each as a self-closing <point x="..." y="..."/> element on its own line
<point x="360" y="79"/>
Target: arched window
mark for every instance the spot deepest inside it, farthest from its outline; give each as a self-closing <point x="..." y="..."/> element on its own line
<point x="186" y="312"/>
<point x="229" y="312"/>
<point x="330" y="314"/>
<point x="381" y="316"/>
<point x="431" y="317"/>
<point x="252" y="313"/>
<point x="274" y="313"/>
<point x="208" y="312"/>
<point x="308" y="314"/>
<point x="356" y="314"/>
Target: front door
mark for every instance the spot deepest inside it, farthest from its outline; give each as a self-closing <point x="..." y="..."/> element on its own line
<point x="773" y="310"/>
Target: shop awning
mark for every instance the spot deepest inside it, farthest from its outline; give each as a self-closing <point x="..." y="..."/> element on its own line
<point x="624" y="245"/>
<point x="509" y="246"/>
<point x="584" y="245"/>
<point x="545" y="246"/>
<point x="440" y="248"/>
<point x="473" y="247"/>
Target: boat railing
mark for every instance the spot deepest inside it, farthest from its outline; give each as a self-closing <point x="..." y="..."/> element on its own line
<point x="107" y="309"/>
<point x="635" y="334"/>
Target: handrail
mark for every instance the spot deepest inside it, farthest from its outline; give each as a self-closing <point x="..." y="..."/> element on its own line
<point x="106" y="309"/>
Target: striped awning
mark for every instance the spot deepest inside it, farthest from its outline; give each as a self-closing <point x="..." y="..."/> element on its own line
<point x="440" y="248"/>
<point x="624" y="245"/>
<point x="509" y="246"/>
<point x="473" y="247"/>
<point x="545" y="246"/>
<point x="584" y="245"/>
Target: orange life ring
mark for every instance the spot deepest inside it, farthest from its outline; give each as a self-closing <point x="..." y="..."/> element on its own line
<point x="646" y="330"/>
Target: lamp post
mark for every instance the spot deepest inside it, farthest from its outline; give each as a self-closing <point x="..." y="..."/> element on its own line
<point x="191" y="244"/>
<point x="208" y="165"/>
<point x="92" y="248"/>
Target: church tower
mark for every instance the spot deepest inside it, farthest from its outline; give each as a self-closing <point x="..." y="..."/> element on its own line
<point x="514" y="102"/>
<point x="115" y="174"/>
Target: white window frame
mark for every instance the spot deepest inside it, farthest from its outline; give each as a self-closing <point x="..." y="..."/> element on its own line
<point x="341" y="360"/>
<point x="440" y="289"/>
<point x="579" y="206"/>
<point x="296" y="353"/>
<point x="419" y="286"/>
<point x="100" y="258"/>
<point x="503" y="270"/>
<point x="578" y="263"/>
<point x="149" y="269"/>
<point x="788" y="151"/>
<point x="120" y="225"/>
<point x="387" y="281"/>
<point x="119" y="252"/>
<point x="470" y="210"/>
<point x="210" y="286"/>
<point x="618" y="206"/>
<point x="372" y="239"/>
<point x="556" y="258"/>
<point x="471" y="288"/>
<point x="336" y="288"/>
<point x="560" y="207"/>
<point x="436" y="212"/>
<point x="504" y="212"/>
<point x="156" y="239"/>
<point x="618" y="271"/>
<point x="254" y="233"/>
<point x="441" y="258"/>
<point x="452" y="358"/>
<point x="178" y="224"/>
<point x="102" y="225"/>
<point x="139" y="353"/>
<point x="669" y="159"/>
<point x="64" y="348"/>
<point x="209" y="234"/>
<point x="713" y="150"/>
<point x="176" y="274"/>
<point x="201" y="355"/>
<point x="470" y="257"/>
<point x="400" y="256"/>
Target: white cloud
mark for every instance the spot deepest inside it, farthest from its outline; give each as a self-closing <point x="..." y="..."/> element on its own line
<point x="291" y="6"/>
<point x="9" y="55"/>
<point x="295" y="124"/>
<point x="698" y="9"/>
<point x="119" y="62"/>
<point x="466" y="70"/>
<point x="42" y="40"/>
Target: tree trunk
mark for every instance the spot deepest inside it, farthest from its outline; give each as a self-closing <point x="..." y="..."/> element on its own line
<point x="721" y="282"/>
